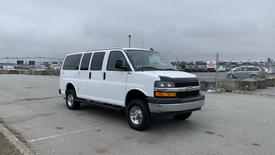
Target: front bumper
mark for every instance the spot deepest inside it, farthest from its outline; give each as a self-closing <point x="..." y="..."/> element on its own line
<point x="163" y="105"/>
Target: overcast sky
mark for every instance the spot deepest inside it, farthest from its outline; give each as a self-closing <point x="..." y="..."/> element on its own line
<point x="183" y="29"/>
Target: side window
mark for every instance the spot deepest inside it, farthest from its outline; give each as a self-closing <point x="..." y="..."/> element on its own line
<point x="72" y="62"/>
<point x="97" y="61"/>
<point x="113" y="58"/>
<point x="253" y="69"/>
<point x="85" y="61"/>
<point x="238" y="69"/>
<point x="244" y="69"/>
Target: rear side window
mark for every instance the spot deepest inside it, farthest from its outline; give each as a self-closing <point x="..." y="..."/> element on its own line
<point x="72" y="62"/>
<point x="253" y="69"/>
<point x="97" y="61"/>
<point x="85" y="61"/>
<point x="238" y="69"/>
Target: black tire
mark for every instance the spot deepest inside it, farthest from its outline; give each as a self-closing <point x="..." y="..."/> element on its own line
<point x="136" y="122"/>
<point x="253" y="76"/>
<point x="230" y="76"/>
<point x="71" y="102"/>
<point x="183" y="116"/>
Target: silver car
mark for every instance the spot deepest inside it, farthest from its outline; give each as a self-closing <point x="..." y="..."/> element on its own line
<point x="271" y="70"/>
<point x="245" y="72"/>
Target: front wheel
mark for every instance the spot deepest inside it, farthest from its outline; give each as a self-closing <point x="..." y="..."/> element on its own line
<point x="138" y="115"/>
<point x="183" y="116"/>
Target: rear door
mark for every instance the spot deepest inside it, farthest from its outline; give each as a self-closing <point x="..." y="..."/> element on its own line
<point x="84" y="75"/>
<point x="244" y="73"/>
<point x="70" y="72"/>
<point x="96" y="76"/>
<point x="254" y="71"/>
<point x="114" y="84"/>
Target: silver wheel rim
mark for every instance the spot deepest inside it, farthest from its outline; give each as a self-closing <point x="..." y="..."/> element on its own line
<point x="70" y="99"/>
<point x="136" y="115"/>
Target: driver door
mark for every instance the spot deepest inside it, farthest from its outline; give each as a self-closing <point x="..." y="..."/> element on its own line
<point x="115" y="79"/>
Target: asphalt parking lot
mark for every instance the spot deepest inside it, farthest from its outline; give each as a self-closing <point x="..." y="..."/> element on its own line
<point x="227" y="124"/>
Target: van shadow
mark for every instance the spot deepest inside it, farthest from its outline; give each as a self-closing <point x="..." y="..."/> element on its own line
<point x="118" y="117"/>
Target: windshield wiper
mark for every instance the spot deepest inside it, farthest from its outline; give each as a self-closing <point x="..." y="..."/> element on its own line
<point x="168" y="69"/>
<point x="152" y="68"/>
<point x="147" y="67"/>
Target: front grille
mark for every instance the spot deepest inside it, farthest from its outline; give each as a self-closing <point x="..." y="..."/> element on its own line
<point x="186" y="84"/>
<point x="188" y="94"/>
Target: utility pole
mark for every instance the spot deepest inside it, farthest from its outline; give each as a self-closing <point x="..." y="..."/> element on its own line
<point x="129" y="40"/>
<point x="217" y="67"/>
<point x="247" y="62"/>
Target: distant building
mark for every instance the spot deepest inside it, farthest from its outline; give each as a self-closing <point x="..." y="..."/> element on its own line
<point x="269" y="60"/>
<point x="20" y="62"/>
<point x="31" y="61"/>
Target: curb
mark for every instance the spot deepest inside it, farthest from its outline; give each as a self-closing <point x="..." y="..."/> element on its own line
<point x="22" y="148"/>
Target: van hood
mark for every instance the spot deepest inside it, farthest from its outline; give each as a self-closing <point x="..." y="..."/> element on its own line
<point x="170" y="74"/>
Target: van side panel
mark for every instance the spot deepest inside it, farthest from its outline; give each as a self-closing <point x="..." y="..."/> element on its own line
<point x="137" y="80"/>
<point x="69" y="76"/>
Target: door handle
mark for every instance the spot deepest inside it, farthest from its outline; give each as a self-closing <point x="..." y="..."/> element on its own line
<point x="104" y="75"/>
<point x="90" y="75"/>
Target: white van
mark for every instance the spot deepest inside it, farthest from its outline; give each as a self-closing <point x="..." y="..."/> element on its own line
<point x="140" y="81"/>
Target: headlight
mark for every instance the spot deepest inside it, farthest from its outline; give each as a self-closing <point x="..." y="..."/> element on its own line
<point x="163" y="84"/>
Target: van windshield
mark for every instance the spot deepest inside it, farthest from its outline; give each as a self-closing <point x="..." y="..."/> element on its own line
<point x="144" y="60"/>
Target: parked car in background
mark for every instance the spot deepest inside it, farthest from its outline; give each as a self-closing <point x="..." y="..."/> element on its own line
<point x="190" y="67"/>
<point x="8" y="67"/>
<point x="221" y="69"/>
<point x="245" y="72"/>
<point x="271" y="70"/>
<point x="55" y="67"/>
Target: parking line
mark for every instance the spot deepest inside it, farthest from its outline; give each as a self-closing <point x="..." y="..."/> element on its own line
<point x="59" y="135"/>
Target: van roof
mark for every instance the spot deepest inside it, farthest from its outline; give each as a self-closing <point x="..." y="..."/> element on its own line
<point x="120" y="48"/>
<point x="115" y="48"/>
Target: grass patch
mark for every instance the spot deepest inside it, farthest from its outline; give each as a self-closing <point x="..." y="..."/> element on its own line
<point x="6" y="147"/>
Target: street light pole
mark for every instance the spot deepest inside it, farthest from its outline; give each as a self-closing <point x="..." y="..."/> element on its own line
<point x="217" y="68"/>
<point x="129" y="40"/>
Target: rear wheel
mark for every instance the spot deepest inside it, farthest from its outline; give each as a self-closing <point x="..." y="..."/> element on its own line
<point x="253" y="76"/>
<point x="183" y="116"/>
<point x="71" y="102"/>
<point x="230" y="76"/>
<point x="138" y="115"/>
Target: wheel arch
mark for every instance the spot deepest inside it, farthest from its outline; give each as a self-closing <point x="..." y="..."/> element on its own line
<point x="134" y="94"/>
<point x="69" y="86"/>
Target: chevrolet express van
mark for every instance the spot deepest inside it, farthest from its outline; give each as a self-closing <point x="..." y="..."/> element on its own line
<point x="140" y="81"/>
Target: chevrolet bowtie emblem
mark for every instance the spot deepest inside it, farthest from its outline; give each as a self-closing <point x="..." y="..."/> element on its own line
<point x="189" y="88"/>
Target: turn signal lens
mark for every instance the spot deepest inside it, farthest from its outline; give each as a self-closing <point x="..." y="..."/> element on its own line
<point x="165" y="94"/>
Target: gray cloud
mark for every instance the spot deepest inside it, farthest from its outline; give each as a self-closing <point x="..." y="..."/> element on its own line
<point x="184" y="29"/>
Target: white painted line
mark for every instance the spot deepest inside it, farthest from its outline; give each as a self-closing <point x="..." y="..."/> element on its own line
<point x="3" y="117"/>
<point x="59" y="135"/>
